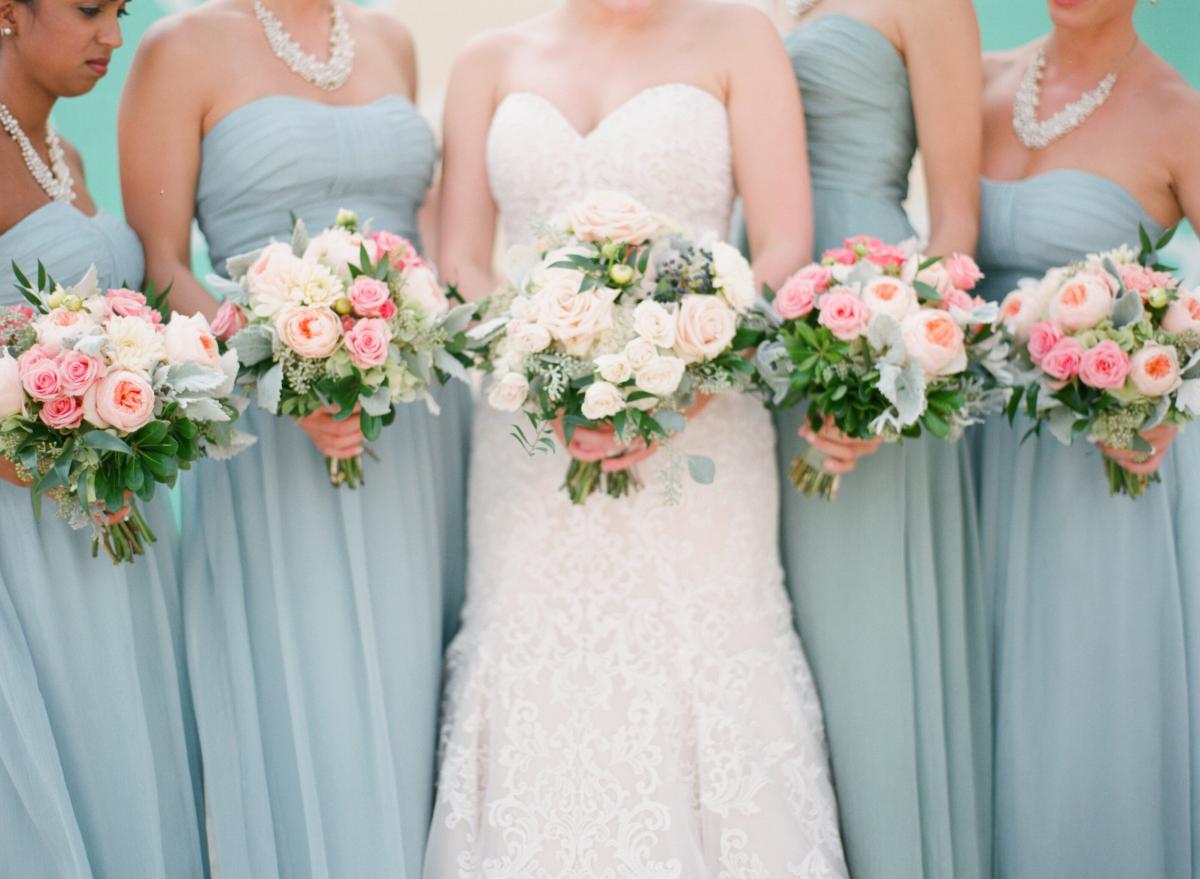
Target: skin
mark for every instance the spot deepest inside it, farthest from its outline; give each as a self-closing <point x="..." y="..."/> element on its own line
<point x="58" y="49"/>
<point x="193" y="69"/>
<point x="1142" y="138"/>
<point x="729" y="51"/>
<point x="939" y="42"/>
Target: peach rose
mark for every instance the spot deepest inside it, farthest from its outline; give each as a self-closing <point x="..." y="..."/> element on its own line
<point x="704" y="327"/>
<point x="12" y="393"/>
<point x="124" y="400"/>
<point x="367" y="342"/>
<point x="1104" y="366"/>
<point x="78" y="371"/>
<point x="229" y="321"/>
<point x="843" y="313"/>
<point x="1082" y="302"/>
<point x="311" y="332"/>
<point x="1154" y="370"/>
<point x="890" y="296"/>
<point x="796" y="298"/>
<point x="1062" y="362"/>
<point x="61" y="324"/>
<point x="1019" y="311"/>
<point x="963" y="271"/>
<point x="1183" y="315"/>
<point x="935" y="342"/>
<point x="612" y="216"/>
<point x="189" y="339"/>
<point x="1043" y="337"/>
<point x="570" y="316"/>
<point x="62" y="413"/>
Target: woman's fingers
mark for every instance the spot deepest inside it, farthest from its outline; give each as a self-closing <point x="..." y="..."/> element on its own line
<point x="334" y="439"/>
<point x="639" y="451"/>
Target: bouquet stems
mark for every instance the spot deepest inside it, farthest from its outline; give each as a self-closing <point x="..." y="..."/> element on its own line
<point x="585" y="477"/>
<point x="809" y="475"/>
<point x="345" y="472"/>
<point x="124" y="540"/>
<point x="1122" y="481"/>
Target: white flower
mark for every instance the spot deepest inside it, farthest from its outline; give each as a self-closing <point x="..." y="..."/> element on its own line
<point x="61" y="324"/>
<point x="337" y="249"/>
<point x="890" y="296"/>
<point x="571" y="316"/>
<point x="602" y="400"/>
<point x="133" y="343"/>
<point x="704" y="327"/>
<point x="526" y="337"/>
<point x="733" y="277"/>
<point x="12" y="395"/>
<point x="640" y="352"/>
<point x="613" y="216"/>
<point x="316" y="285"/>
<point x="614" y="368"/>
<point x="509" y="393"/>
<point x="189" y="338"/>
<point x="652" y="321"/>
<point x="523" y="308"/>
<point x="422" y="289"/>
<point x="661" y="376"/>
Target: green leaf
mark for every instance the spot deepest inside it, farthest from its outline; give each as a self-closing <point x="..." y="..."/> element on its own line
<point x="702" y="469"/>
<point x="1166" y="237"/>
<point x="106" y="442"/>
<point x="936" y="425"/>
<point x="1144" y="237"/>
<point x="926" y="292"/>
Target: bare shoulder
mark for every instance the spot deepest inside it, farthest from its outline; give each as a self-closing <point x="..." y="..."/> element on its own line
<point x="486" y="55"/>
<point x="187" y="40"/>
<point x="941" y="20"/>
<point x="737" y="26"/>
<point x="1168" y="97"/>
<point x="388" y="28"/>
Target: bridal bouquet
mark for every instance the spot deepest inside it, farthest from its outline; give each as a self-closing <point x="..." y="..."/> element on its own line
<point x="617" y="321"/>
<point x="883" y="343"/>
<point x="102" y="399"/>
<point x="1107" y="347"/>
<point x="345" y="319"/>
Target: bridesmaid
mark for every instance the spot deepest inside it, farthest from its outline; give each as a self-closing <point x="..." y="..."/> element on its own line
<point x="1096" y="605"/>
<point x="894" y="633"/>
<point x="99" y="769"/>
<point x="314" y="616"/>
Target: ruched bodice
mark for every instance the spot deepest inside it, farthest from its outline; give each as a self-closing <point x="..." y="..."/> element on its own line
<point x="861" y="133"/>
<point x="376" y="157"/>
<point x="1031" y="225"/>
<point x="68" y="241"/>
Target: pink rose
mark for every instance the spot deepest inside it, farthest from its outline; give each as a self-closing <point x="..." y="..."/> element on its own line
<point x="866" y="242"/>
<point x="704" y="327"/>
<point x="229" y="321"/>
<point x="367" y="342"/>
<point x="1082" y="302"/>
<point x="1104" y="366"/>
<point x="127" y="303"/>
<point x="310" y="331"/>
<point x="12" y="393"/>
<point x="963" y="271"/>
<point x="1042" y="339"/>
<point x="1183" y="315"/>
<point x="840" y="255"/>
<point x="62" y="413"/>
<point x="78" y="372"/>
<point x="368" y="296"/>
<point x="843" y="313"/>
<point x="612" y="216"/>
<point x="1062" y="362"/>
<point x="399" y="251"/>
<point x="816" y="274"/>
<point x="958" y="299"/>
<point x="1154" y="370"/>
<point x="421" y="288"/>
<point x="388" y="310"/>
<point x="40" y="378"/>
<point x="935" y="342"/>
<point x="795" y="298"/>
<point x="885" y="255"/>
<point x="124" y="400"/>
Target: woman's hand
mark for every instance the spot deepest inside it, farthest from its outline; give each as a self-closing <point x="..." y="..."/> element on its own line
<point x="842" y="453"/>
<point x="115" y="518"/>
<point x="600" y="444"/>
<point x="334" y="439"/>
<point x="1144" y="463"/>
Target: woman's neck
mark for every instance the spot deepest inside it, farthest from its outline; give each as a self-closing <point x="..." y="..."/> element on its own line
<point x="1089" y="54"/>
<point x="30" y="104"/>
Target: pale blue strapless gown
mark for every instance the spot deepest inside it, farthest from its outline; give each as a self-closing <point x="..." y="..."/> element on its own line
<point x="315" y="616"/>
<point x="99" y="769"/>
<point x="1096" y="601"/>
<point x="885" y="579"/>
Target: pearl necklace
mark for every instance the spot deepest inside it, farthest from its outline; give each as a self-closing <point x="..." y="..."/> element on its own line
<point x="56" y="180"/>
<point x="1036" y="134"/>
<point x="330" y="74"/>
<point x="800" y="8"/>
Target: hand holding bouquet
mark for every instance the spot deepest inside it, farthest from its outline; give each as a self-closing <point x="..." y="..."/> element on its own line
<point x="352" y="321"/>
<point x="102" y="399"/>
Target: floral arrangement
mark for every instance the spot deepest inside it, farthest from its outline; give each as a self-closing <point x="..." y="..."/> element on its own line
<point x="881" y="342"/>
<point x="347" y="319"/>
<point x="1107" y="348"/>
<point x="617" y="321"/>
<point x="102" y="398"/>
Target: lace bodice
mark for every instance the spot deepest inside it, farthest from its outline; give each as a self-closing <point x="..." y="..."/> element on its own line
<point x="647" y="147"/>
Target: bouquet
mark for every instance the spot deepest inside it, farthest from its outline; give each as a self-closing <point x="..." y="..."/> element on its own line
<point x="882" y="343"/>
<point x="347" y="320"/>
<point x="617" y="321"/>
<point x="102" y="399"/>
<point x="1107" y="347"/>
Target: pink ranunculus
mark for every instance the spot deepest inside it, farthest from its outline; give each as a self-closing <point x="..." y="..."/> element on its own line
<point x="1154" y="370"/>
<point x="1183" y="315"/>
<point x="840" y="255"/>
<point x="843" y="313"/>
<point x="1042" y="339"/>
<point x="816" y="274"/>
<point x="12" y="393"/>
<point x="1062" y="362"/>
<point x="963" y="271"/>
<point x="367" y="342"/>
<point x="229" y="321"/>
<point x="368" y="295"/>
<point x="40" y="378"/>
<point x="1104" y="366"/>
<point x="78" y="371"/>
<point x="124" y="400"/>
<point x="886" y="255"/>
<point x="310" y="331"/>
<point x="795" y="298"/>
<point x="1082" y="302"/>
<point x="127" y="303"/>
<point x="62" y="413"/>
<point x="348" y="322"/>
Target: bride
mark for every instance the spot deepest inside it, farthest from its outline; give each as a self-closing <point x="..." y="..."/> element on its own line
<point x="627" y="696"/>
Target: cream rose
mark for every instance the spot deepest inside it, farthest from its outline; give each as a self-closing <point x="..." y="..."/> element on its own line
<point x="602" y="400"/>
<point x="612" y="216"/>
<point x="123" y="400"/>
<point x="733" y="277"/>
<point x="133" y="344"/>
<point x="310" y="332"/>
<point x="509" y="392"/>
<point x="614" y="368"/>
<point x="190" y="339"/>
<point x="421" y="288"/>
<point x="890" y="296"/>
<point x="652" y="321"/>
<point x="569" y="315"/>
<point x="704" y="327"/>
<point x="526" y="337"/>
<point x="935" y="342"/>
<point x="661" y="376"/>
<point x="1019" y="311"/>
<point x="1183" y="315"/>
<point x="1154" y="370"/>
<point x="58" y="326"/>
<point x="1082" y="302"/>
<point x="12" y="394"/>
<point x="640" y="352"/>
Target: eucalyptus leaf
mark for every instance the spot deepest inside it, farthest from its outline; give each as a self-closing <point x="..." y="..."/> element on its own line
<point x="230" y="291"/>
<point x="203" y="409"/>
<point x="300" y="239"/>
<point x="904" y="388"/>
<point x="1187" y="398"/>
<point x="378" y="403"/>
<point x="456" y="319"/>
<point x="270" y="388"/>
<point x="447" y="363"/>
<point x="1127" y="309"/>
<point x="701" y="469"/>
<point x="670" y="420"/>
<point x="253" y="344"/>
<point x="1061" y="424"/>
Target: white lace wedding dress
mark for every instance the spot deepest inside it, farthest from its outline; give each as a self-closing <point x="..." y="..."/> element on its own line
<point x="627" y="696"/>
